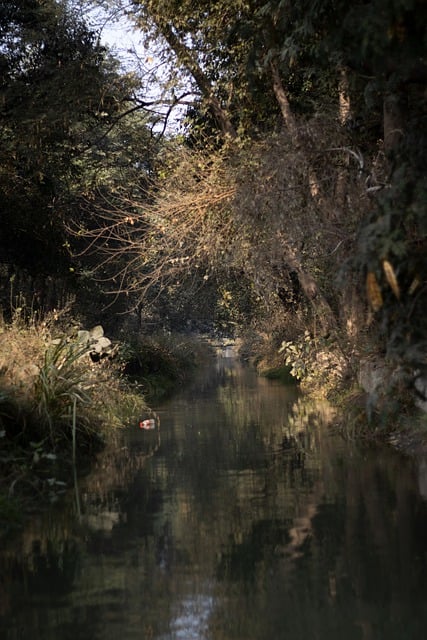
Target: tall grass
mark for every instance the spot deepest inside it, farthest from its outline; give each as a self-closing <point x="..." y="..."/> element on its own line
<point x="51" y="391"/>
<point x="57" y="406"/>
<point x="63" y="381"/>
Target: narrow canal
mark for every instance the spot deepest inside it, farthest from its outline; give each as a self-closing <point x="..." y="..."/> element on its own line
<point x="242" y="517"/>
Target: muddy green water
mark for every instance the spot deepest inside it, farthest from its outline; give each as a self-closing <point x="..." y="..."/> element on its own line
<point x="242" y="517"/>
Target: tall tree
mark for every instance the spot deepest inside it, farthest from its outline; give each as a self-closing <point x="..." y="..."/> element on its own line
<point x="346" y="84"/>
<point x="58" y="95"/>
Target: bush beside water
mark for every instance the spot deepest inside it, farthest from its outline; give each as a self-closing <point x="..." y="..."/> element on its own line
<point x="64" y="393"/>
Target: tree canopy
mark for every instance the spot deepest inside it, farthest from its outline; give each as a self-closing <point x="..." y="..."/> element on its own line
<point x="335" y="94"/>
<point x="292" y="193"/>
<point x="65" y="137"/>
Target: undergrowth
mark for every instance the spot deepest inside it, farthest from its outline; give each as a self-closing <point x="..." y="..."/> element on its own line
<point x="56" y="404"/>
<point x="161" y="361"/>
<point x="64" y="394"/>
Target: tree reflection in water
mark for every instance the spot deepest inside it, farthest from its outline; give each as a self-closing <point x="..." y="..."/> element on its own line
<point x="247" y="519"/>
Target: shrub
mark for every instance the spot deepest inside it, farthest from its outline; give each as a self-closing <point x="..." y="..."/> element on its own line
<point x="52" y="390"/>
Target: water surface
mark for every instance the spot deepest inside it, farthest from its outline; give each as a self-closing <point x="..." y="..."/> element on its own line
<point x="242" y="517"/>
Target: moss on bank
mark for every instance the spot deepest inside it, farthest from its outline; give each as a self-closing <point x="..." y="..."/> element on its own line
<point x="283" y="374"/>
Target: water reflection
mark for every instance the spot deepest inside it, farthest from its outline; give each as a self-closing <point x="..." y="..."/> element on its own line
<point x="243" y="517"/>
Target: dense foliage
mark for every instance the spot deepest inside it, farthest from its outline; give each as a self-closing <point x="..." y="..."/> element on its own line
<point x="288" y="203"/>
<point x="300" y="176"/>
<point x="62" y="136"/>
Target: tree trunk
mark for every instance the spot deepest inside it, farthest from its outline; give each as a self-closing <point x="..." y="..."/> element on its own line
<point x="310" y="289"/>
<point x="292" y="127"/>
<point x="308" y="284"/>
<point x="282" y="99"/>
<point x="187" y="59"/>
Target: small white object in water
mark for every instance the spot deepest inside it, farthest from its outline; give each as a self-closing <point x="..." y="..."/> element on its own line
<point x="148" y="424"/>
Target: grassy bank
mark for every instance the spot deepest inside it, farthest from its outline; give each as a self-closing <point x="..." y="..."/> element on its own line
<point x="65" y="392"/>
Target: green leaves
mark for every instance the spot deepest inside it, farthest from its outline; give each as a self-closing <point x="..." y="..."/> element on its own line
<point x="298" y="356"/>
<point x="56" y="83"/>
<point x="60" y="381"/>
